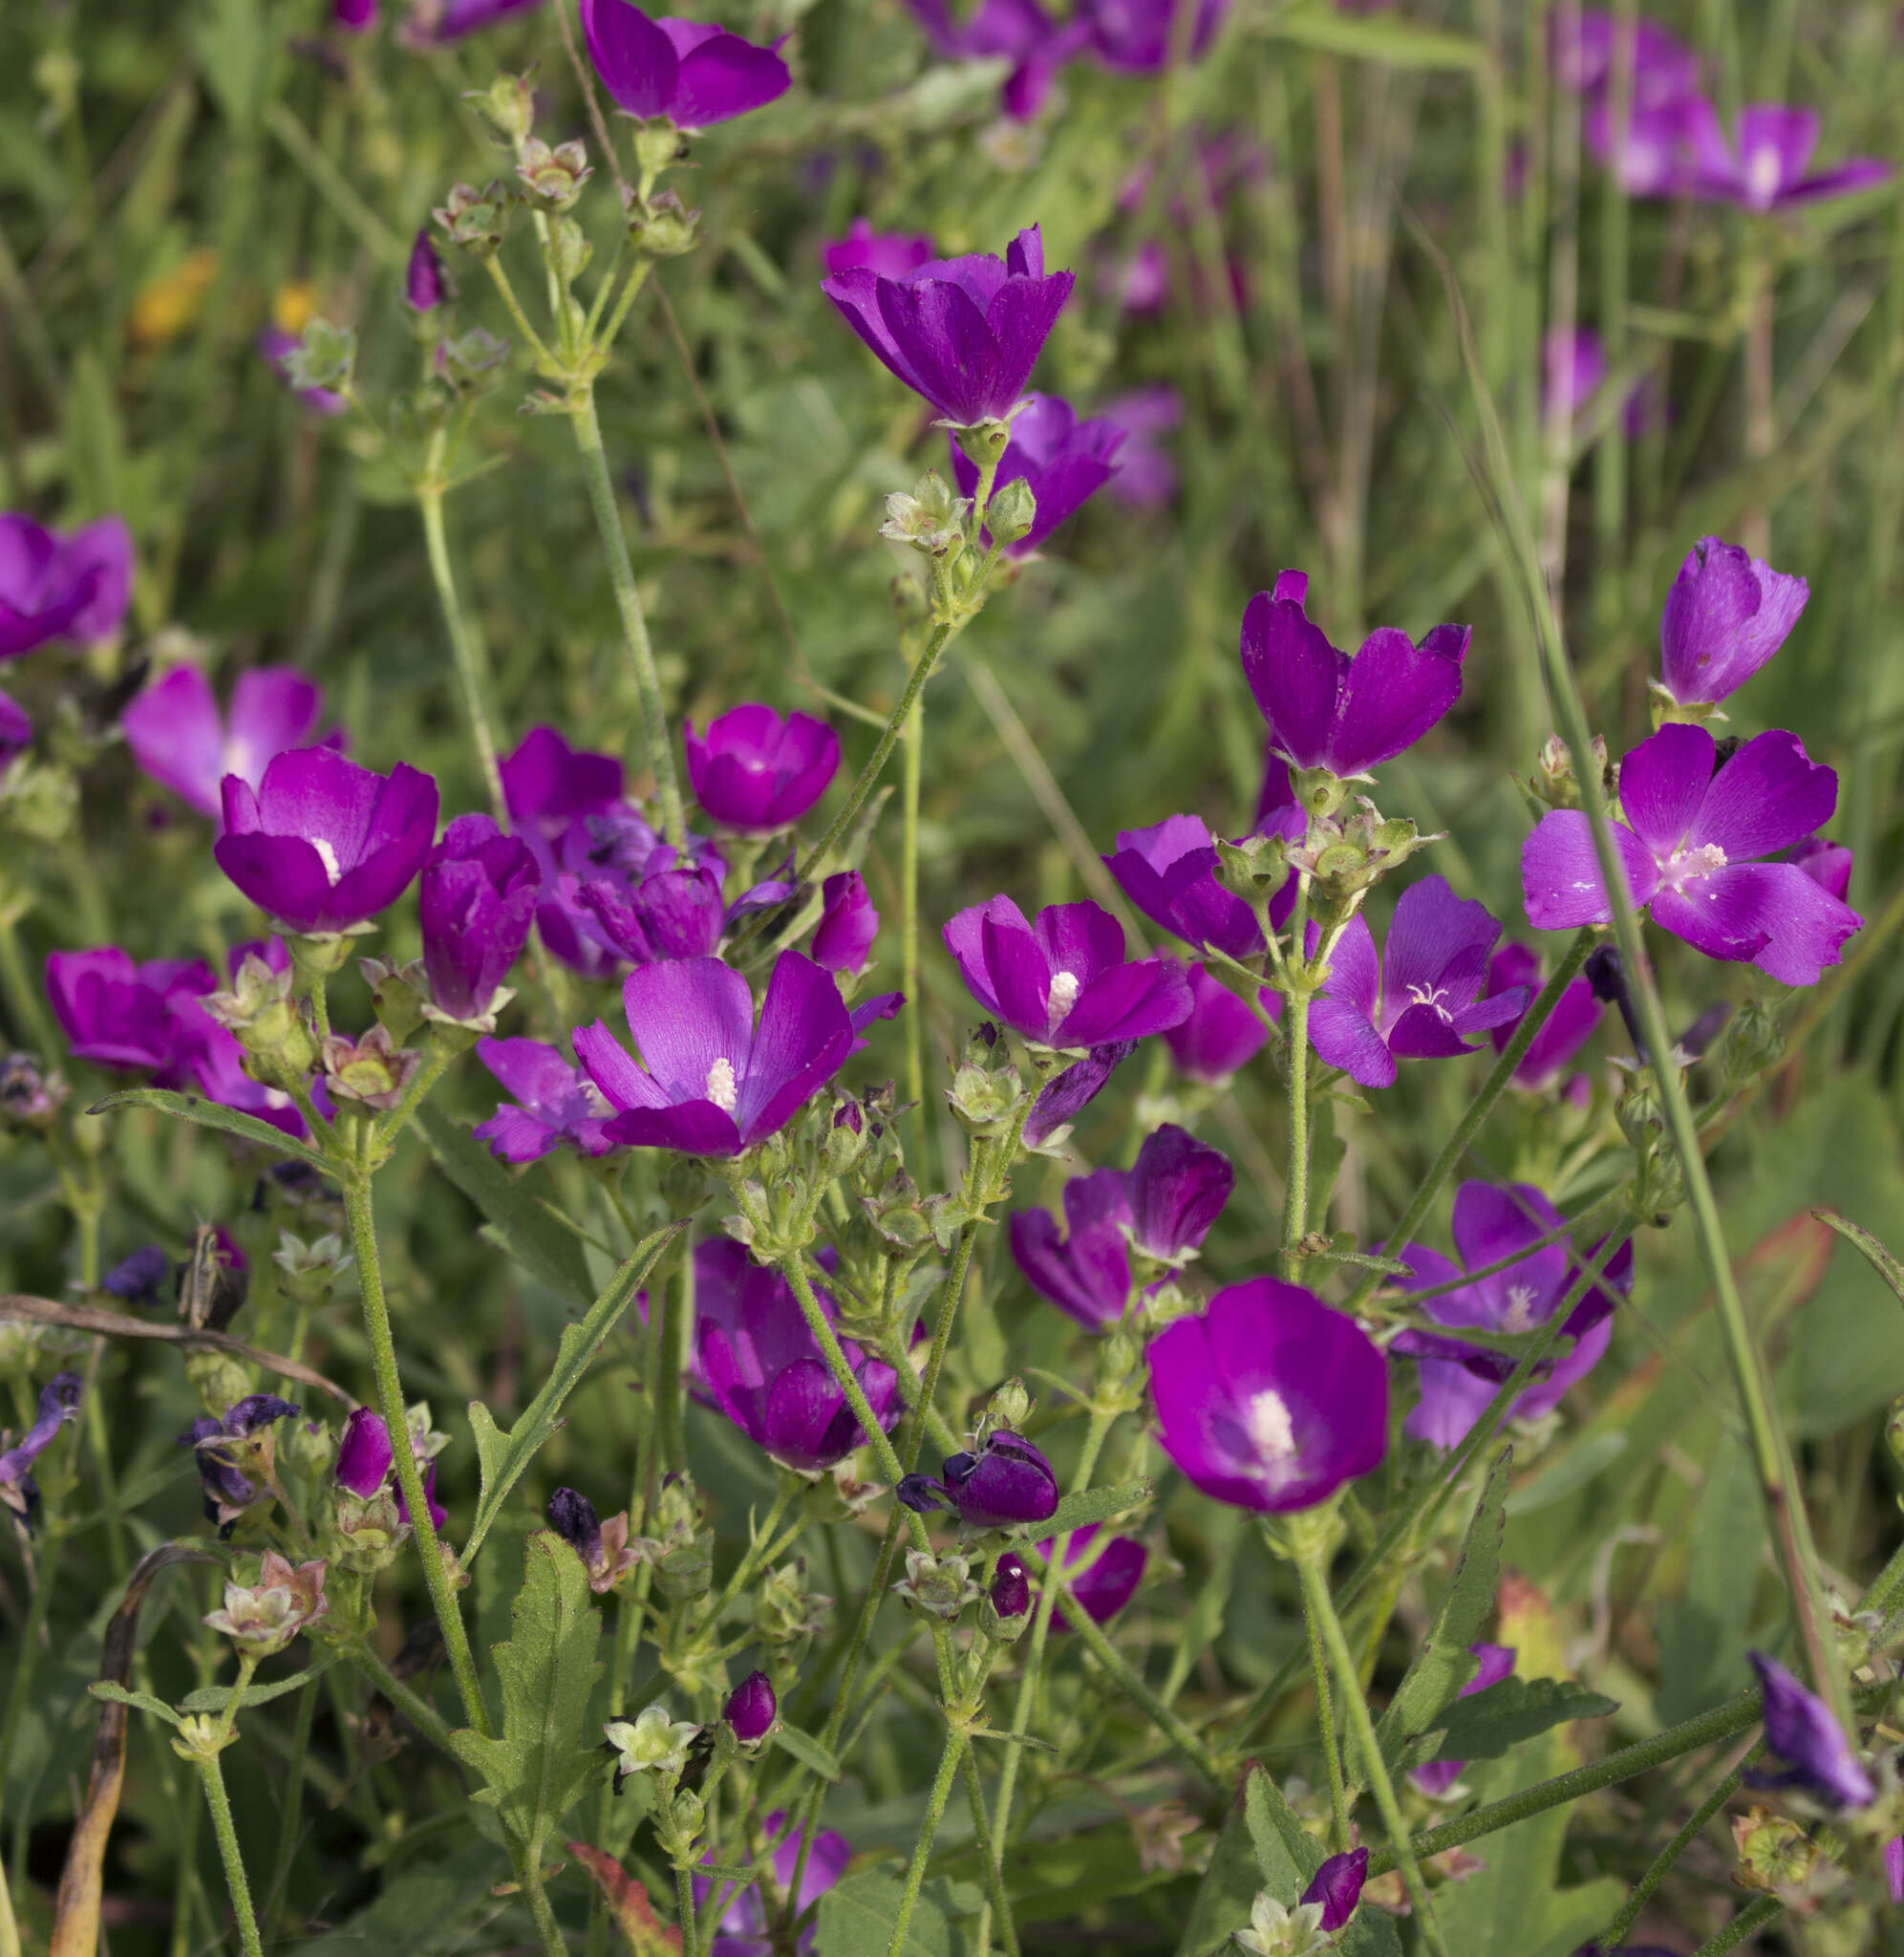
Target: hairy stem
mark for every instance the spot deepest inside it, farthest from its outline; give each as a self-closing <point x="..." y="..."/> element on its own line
<point x="226" y="1831"/>
<point x="1613" y="1936"/>
<point x="463" y="645"/>
<point x="928" y="1828"/>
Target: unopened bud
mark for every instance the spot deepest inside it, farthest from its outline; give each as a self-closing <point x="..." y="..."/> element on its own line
<point x="664" y="227"/>
<point x="751" y="1709"/>
<point x="553" y="177"/>
<point x="1753" y="1043"/>
<point x="938" y="1586"/>
<point x="1012" y="512"/>
<point x="509" y="105"/>
<point x="1010" y="1406"/>
<point x="218" y="1379"/>
<point x="1007" y="1607"/>
<point x="474" y="220"/>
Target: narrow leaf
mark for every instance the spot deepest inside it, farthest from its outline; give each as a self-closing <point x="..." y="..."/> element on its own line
<point x="1397" y="43"/>
<point x="807" y="1750"/>
<point x="1494" y="1722"/>
<point x="1876" y="1255"/>
<point x="216" y="1698"/>
<point x="1287" y="1854"/>
<point x="1099" y="1505"/>
<point x="629" y="1906"/>
<point x="195" y="1107"/>
<point x="502" y="1457"/>
<point x="119" y="1695"/>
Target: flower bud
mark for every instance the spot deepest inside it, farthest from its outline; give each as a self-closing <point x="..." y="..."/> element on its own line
<point x="426" y="285"/>
<point x="751" y="1709"/>
<point x="474" y="220"/>
<point x="1007" y="1607"/>
<point x="938" y="1586"/>
<point x="307" y="1273"/>
<point x="373" y="1069"/>
<point x="1753" y="1043"/>
<point x="509" y="105"/>
<point x="1009" y="1407"/>
<point x="1012" y="512"/>
<point x="365" y="1535"/>
<point x="398" y="994"/>
<point x="470" y="362"/>
<point x="1008" y="1483"/>
<point x="323" y="357"/>
<point x="688" y="1815"/>
<point x="262" y="1009"/>
<point x="664" y="227"/>
<point x="1553" y="782"/>
<point x="218" y="1380"/>
<point x="1774" y="1852"/>
<point x="309" y="1446"/>
<point x="553" y="177"/>
<point x="786" y="1612"/>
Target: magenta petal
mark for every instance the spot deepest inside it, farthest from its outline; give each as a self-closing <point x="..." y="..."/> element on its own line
<point x="1296" y="674"/>
<point x="949" y="346"/>
<point x="689" y="1127"/>
<point x="1771" y="915"/>
<point x="804" y="1036"/>
<point x="1345" y="1040"/>
<point x="274" y="708"/>
<point x="686" y="1016"/>
<point x="177" y="737"/>
<point x="1725" y="615"/>
<point x="1663" y="783"/>
<point x="1560" y="872"/>
<point x="1437" y="943"/>
<point x="631" y="54"/>
<point x="1770" y="795"/>
<point x="726" y="77"/>
<point x="1395" y="691"/>
<point x="1355" y="973"/>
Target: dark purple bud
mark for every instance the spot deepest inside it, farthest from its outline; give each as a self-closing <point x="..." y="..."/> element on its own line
<point x="751" y="1709"/>
<point x="1800" y="1729"/>
<point x="59" y="1403"/>
<point x="1007" y="1483"/>
<point x="364" y="1455"/>
<point x="1011" y="1586"/>
<point x="572" y="1517"/>
<point x="1607" y="976"/>
<point x="848" y="924"/>
<point x="139" y="1279"/>
<point x="1178" y="1187"/>
<point x="847" y="1117"/>
<point x="426" y="285"/>
<point x="476" y="902"/>
<point x="1338" y="1885"/>
<point x="921" y="1494"/>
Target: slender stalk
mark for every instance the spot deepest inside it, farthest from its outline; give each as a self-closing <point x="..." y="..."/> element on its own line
<point x="1296" y="1199"/>
<point x="1750" y="1920"/>
<point x="32" y="1025"/>
<point x="411" y="1703"/>
<point x="1322" y="1613"/>
<point x="1325" y="1719"/>
<point x="226" y="1831"/>
<point x="684" y="1900"/>
<point x="389" y="1400"/>
<point x="928" y="1828"/>
<point x="463" y="647"/>
<point x="33" y="1635"/>
<point x="909" y="924"/>
<point x="294" y="1800"/>
<point x="553" y="1941"/>
<point x="588" y="429"/>
<point x="1613" y="1936"/>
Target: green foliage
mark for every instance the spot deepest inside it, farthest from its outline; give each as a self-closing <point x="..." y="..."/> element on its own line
<point x="1494" y="1722"/>
<point x="857" y="1918"/>
<point x="204" y="1113"/>
<point x="1099" y="1505"/>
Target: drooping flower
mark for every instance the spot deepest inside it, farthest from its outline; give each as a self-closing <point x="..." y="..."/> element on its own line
<point x="1459" y="1381"/>
<point x="751" y="1709"/>
<point x="1764" y="168"/>
<point x="743" y="1930"/>
<point x="890" y="254"/>
<point x="1139" y="36"/>
<point x="1110" y="1579"/>
<point x="1693" y="844"/>
<point x="232" y="1452"/>
<point x="1337" y="1887"/>
<point x="1064" y="981"/>
<point x="323" y="843"/>
<point x="1063" y="460"/>
<point x="1222" y="1034"/>
<point x="693" y="72"/>
<point x="59" y="1403"/>
<point x="1801" y="1729"/>
<point x="963" y="333"/>
<point x="1422" y="1000"/>
<point x="1326" y="710"/>
<point x="603" y="1546"/>
<point x="476" y="901"/>
<point x="1006" y="1484"/>
<point x="53" y="587"/>
<point x="178" y="735"/>
<point x="426" y="285"/>
<point x="764" y="1369"/>
<point x="277" y="346"/>
<point x="1725" y="615"/>
<point x="848" y="924"/>
<point x="555" y="1103"/>
<point x="1496" y="1663"/>
<point x="1268" y="1398"/>
<point x="754" y="772"/>
<point x="710" y="1082"/>
<point x="1020" y="30"/>
<point x="1569" y="1026"/>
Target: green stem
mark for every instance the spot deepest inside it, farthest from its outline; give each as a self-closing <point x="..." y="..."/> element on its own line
<point x="628" y="602"/>
<point x="224" y="1827"/>
<point x="990" y="1850"/>
<point x="433" y="1069"/>
<point x="463" y="647"/>
<point x="545" y="361"/>
<point x="908" y="914"/>
<point x="1322" y="1613"/>
<point x="684" y="1900"/>
<point x="553" y="1941"/>
<point x="389" y="1400"/>
<point x="294" y="1800"/>
<point x="928" y="1828"/>
<point x="1325" y="1719"/>
<point x="1296" y="1199"/>
<point x="1613" y="1936"/>
<point x="1750" y="1920"/>
<point x="32" y="1026"/>
<point x="33" y="1634"/>
<point x="763" y="1540"/>
<point x="413" y="1707"/>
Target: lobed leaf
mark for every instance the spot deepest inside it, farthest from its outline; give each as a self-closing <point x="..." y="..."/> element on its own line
<point x="1495" y="1721"/>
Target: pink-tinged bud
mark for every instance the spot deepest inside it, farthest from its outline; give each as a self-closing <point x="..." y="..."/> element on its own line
<point x="426" y="285"/>
<point x="751" y="1709"/>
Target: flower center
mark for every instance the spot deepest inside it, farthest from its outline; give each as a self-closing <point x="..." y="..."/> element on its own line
<point x="328" y="856"/>
<point x="1688" y="866"/>
<point x="721" y="1088"/>
<point x="1064" y="994"/>
<point x="1764" y="174"/>
<point x="1519" y="1316"/>
<point x="1271" y="1433"/>
<point x="1431" y="996"/>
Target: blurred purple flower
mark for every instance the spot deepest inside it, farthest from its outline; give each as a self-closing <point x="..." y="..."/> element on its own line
<point x="434" y="22"/>
<point x="743" y="1931"/>
<point x="476" y="898"/>
<point x="1800" y="1729"/>
<point x="119" y="1014"/>
<point x="1424" y="1000"/>
<point x="1137" y="37"/>
<point x="59" y="1403"/>
<point x="1497" y="1661"/>
<point x="277" y="346"/>
<point x="354" y="16"/>
<point x="1573" y="366"/>
<point x="138" y="1279"/>
<point x="1147" y="477"/>
<point x="889" y="254"/>
<point x="556" y="1103"/>
<point x="51" y="587"/>
<point x="426" y="285"/>
<point x="178" y="735"/>
<point x="546" y="784"/>
<point x="1569" y="1026"/>
<point x="1327" y="710"/>
<point x="963" y="333"/>
<point x="1269" y="1399"/>
<point x="1020" y="30"/>
<point x="693" y="72"/>
<point x="754" y="772"/>
<point x="1764" y="169"/>
<point x="1691" y="845"/>
<point x="1725" y="615"/>
<point x="1222" y="1034"/>
<point x="1065" y="463"/>
<point x="1108" y="1583"/>
<point x="1664" y="69"/>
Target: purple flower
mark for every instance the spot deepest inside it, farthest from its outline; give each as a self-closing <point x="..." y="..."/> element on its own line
<point x="1422" y="1001"/>
<point x="1829" y="865"/>
<point x="964" y="333"/>
<point x="755" y="773"/>
<point x="118" y="1014"/>
<point x="890" y="254"/>
<point x="1111" y="1579"/>
<point x="1007" y="1484"/>
<point x="693" y="72"/>
<point x="848" y="924"/>
<point x="1137" y="37"/>
<point x="708" y="1081"/>
<point x="1458" y="1381"/>
<point x="1497" y="1661"/>
<point x="426" y="285"/>
<point x="476" y="900"/>
<point x="1655" y="155"/>
<point x="1726" y="615"/>
<point x="1063" y="1098"/>
<point x="1178" y="1187"/>
<point x="178" y="735"/>
<point x="434" y="22"/>
<point x="226" y="1449"/>
<point x="764" y="1369"/>
<point x="1573" y="368"/>
<point x="1326" y="710"/>
<point x="1800" y="1729"/>
<point x="1766" y="169"/>
<point x="1691" y="847"/>
<point x="614" y="890"/>
<point x="1010" y="1593"/>
<point x="354" y="16"/>
<point x="546" y="784"/>
<point x="1269" y="1399"/>
<point x="751" y="1709"/>
<point x="743" y="1931"/>
<point x="556" y="1103"/>
<point x="364" y="1454"/>
<point x="16" y="731"/>
<point x="138" y="1279"/>
<point x="1018" y="30"/>
<point x="1569" y="1026"/>
<point x="439" y="1515"/>
<point x="1146" y="477"/>
<point x="1338" y="1885"/>
<point x="322" y="843"/>
<point x="1064" y="462"/>
<point x="1064" y="981"/>
<point x="1893" y="1867"/>
<point x="1168" y="871"/>
<point x="1221" y="1034"/>
<point x="59" y="1403"/>
<point x="54" y="587"/>
<point x="277" y="347"/>
<point x="1664" y="69"/>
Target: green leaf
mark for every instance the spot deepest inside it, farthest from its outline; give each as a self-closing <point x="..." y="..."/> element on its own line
<point x="807" y="1750"/>
<point x="1874" y="1252"/>
<point x="1495" y="1721"/>
<point x="1445" y="1663"/>
<point x="502" y="1457"/>
<point x="234" y="51"/>
<point x="1286" y="1855"/>
<point x="1704" y="1631"/>
<point x="195" y="1107"/>
<point x="216" y="1698"/>
<point x="108" y="1688"/>
<point x="1099" y="1505"/>
<point x="1221" y="1906"/>
<point x="430" y="1909"/>
<point x="536" y="1770"/>
<point x="529" y="1232"/>
<point x="1397" y="43"/>
<point x="857" y="1916"/>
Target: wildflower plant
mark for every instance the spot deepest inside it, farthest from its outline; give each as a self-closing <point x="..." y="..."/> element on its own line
<point x="828" y="970"/>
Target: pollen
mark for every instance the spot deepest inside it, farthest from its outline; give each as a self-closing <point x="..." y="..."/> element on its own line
<point x="1519" y="1315"/>
<point x="328" y="856"/>
<point x="1271" y="1431"/>
<point x="1064" y="994"/>
<point x="721" y="1086"/>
